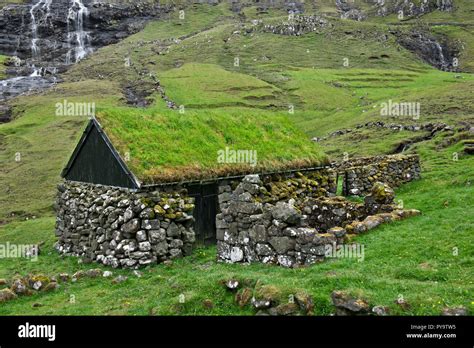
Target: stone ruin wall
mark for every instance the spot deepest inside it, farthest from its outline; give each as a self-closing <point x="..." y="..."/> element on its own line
<point x="254" y="223"/>
<point x="257" y="223"/>
<point x="360" y="174"/>
<point x="122" y="228"/>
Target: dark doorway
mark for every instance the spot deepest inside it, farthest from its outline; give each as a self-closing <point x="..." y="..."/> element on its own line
<point x="205" y="212"/>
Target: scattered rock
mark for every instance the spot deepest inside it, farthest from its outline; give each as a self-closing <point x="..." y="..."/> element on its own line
<point x="93" y="273"/>
<point x="78" y="275"/>
<point x="455" y="312"/>
<point x="64" y="277"/>
<point x="403" y="303"/>
<point x="268" y="293"/>
<point x="107" y="274"/>
<point x="51" y="286"/>
<point x="3" y="282"/>
<point x="381" y="310"/>
<point x="19" y="287"/>
<point x="231" y="284"/>
<point x="119" y="279"/>
<point x="261" y="304"/>
<point x="7" y="295"/>
<point x="38" y="281"/>
<point x="284" y="309"/>
<point x="305" y="302"/>
<point x="348" y="305"/>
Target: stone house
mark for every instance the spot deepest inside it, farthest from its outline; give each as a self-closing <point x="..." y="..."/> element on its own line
<point x="110" y="212"/>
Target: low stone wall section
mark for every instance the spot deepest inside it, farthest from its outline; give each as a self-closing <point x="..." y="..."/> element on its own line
<point x="360" y="174"/>
<point x="291" y="233"/>
<point x="122" y="228"/>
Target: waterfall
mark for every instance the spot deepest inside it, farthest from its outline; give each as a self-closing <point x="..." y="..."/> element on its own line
<point x="42" y="6"/>
<point x="441" y="55"/>
<point x="78" y="39"/>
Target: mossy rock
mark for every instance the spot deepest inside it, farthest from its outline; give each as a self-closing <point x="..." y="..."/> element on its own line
<point x="147" y="201"/>
<point x="269" y="293"/>
<point x="188" y="207"/>
<point x="159" y="210"/>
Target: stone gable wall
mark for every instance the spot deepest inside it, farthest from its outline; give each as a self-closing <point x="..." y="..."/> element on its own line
<point x="122" y="228"/>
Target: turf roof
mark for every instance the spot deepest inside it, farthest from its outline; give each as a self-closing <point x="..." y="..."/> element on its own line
<point x="167" y="146"/>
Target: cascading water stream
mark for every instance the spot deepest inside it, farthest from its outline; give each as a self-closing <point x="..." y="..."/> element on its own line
<point x="43" y="7"/>
<point x="441" y="55"/>
<point x="39" y="13"/>
<point x="78" y="38"/>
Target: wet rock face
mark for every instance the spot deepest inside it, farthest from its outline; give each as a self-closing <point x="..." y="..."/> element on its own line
<point x="441" y="55"/>
<point x="56" y="26"/>
<point x="412" y="8"/>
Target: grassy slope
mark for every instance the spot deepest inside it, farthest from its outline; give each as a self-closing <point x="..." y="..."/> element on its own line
<point x="413" y="258"/>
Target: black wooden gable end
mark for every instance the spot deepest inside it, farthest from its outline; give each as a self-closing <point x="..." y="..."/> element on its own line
<point x="96" y="161"/>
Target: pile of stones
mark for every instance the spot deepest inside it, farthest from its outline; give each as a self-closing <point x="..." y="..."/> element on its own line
<point x="299" y="25"/>
<point x="269" y="300"/>
<point x="26" y="286"/>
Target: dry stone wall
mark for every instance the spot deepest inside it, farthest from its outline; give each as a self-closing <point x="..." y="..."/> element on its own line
<point x="256" y="212"/>
<point x="361" y="174"/>
<point x="122" y="228"/>
<point x="293" y="232"/>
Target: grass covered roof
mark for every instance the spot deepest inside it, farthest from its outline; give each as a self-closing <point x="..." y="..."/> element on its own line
<point x="165" y="146"/>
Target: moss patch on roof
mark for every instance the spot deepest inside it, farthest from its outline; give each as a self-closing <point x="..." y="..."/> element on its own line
<point x="162" y="145"/>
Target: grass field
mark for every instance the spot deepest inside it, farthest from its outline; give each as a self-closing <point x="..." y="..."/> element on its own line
<point x="428" y="259"/>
